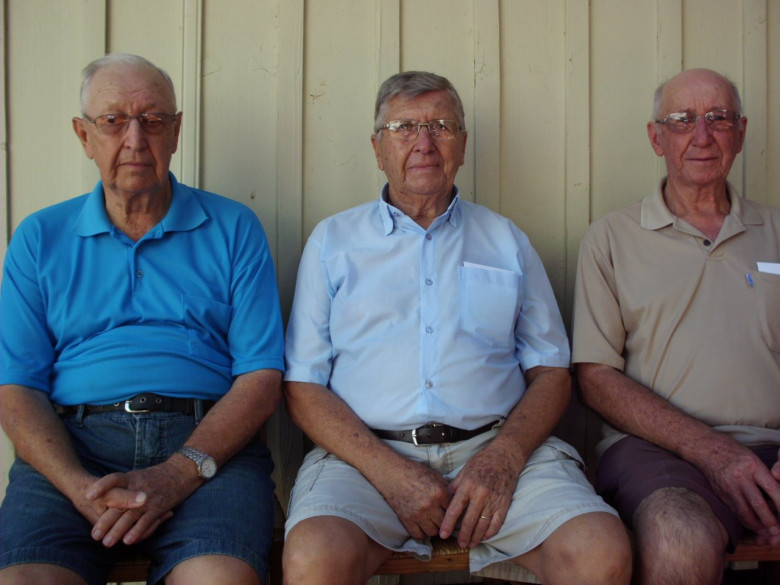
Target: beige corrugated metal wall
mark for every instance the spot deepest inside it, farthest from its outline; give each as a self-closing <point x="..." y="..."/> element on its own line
<point x="278" y="104"/>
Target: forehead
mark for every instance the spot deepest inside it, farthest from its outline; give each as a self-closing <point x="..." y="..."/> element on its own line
<point x="697" y="91"/>
<point x="428" y="106"/>
<point x="129" y="87"/>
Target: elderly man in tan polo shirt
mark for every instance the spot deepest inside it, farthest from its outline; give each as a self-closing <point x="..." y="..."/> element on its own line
<point x="677" y="344"/>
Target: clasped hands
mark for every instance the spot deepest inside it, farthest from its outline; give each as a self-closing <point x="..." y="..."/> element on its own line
<point x="476" y="501"/>
<point x="128" y="507"/>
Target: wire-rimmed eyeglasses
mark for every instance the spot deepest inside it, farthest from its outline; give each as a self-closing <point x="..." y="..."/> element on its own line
<point x="716" y="120"/>
<point x="152" y="123"/>
<point x="410" y="129"/>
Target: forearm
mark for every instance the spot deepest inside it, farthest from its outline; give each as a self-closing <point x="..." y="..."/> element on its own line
<point x="41" y="439"/>
<point x="534" y="417"/>
<point x="333" y="425"/>
<point x="238" y="416"/>
<point x="637" y="410"/>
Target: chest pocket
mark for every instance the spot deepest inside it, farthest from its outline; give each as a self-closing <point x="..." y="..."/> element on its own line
<point x="768" y="289"/>
<point x="490" y="298"/>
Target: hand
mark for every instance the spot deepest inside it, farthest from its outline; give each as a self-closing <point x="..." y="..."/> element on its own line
<point x="418" y="495"/>
<point x="482" y="493"/>
<point x="137" y="502"/>
<point x="742" y="480"/>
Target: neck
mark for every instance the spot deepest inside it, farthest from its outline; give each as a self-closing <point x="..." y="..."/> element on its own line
<point x="423" y="209"/>
<point x="704" y="208"/>
<point x="135" y="215"/>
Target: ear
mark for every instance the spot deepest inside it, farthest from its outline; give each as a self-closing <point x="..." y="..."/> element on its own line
<point x="176" y="131"/>
<point x="742" y="130"/>
<point x="377" y="151"/>
<point x="80" y="128"/>
<point x="463" y="149"/>
<point x="653" y="134"/>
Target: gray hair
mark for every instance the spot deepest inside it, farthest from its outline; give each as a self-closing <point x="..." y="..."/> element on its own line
<point x="411" y="84"/>
<point x="119" y="59"/>
<point x="659" y="94"/>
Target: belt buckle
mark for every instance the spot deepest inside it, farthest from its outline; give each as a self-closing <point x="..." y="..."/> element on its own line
<point x="129" y="408"/>
<point x="432" y="425"/>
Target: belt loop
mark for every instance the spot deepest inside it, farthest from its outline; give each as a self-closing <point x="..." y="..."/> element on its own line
<point x="80" y="413"/>
<point x="198" y="407"/>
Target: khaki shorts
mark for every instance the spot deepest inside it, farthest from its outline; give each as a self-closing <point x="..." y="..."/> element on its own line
<point x="552" y="490"/>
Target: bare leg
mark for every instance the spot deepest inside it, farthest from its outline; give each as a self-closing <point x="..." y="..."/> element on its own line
<point x="680" y="541"/>
<point x="39" y="574"/>
<point x="326" y="549"/>
<point x="213" y="570"/>
<point x="592" y="549"/>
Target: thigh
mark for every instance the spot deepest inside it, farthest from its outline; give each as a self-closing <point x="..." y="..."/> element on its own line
<point x="327" y="486"/>
<point x="231" y="515"/>
<point x="40" y="525"/>
<point x="632" y="469"/>
<point x="551" y="491"/>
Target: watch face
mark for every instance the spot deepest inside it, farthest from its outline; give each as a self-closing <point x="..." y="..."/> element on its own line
<point x="208" y="468"/>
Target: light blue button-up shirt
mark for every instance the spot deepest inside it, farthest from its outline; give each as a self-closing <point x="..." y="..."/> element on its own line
<point x="410" y="326"/>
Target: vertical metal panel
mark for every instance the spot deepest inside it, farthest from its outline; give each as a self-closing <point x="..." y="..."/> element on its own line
<point x="755" y="84"/>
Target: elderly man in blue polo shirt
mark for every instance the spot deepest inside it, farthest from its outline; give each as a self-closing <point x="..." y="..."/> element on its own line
<point x="427" y="360"/>
<point x="140" y="353"/>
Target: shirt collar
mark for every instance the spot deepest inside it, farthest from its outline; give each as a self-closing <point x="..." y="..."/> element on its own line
<point x="656" y="215"/>
<point x="185" y="213"/>
<point x="391" y="215"/>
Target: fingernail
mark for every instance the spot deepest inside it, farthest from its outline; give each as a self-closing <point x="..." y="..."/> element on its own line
<point x="140" y="498"/>
<point x="96" y="534"/>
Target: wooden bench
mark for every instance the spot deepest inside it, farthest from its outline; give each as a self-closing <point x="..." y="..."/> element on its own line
<point x="447" y="556"/>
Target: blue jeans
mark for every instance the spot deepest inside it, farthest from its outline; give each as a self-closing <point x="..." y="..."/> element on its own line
<point x="232" y="515"/>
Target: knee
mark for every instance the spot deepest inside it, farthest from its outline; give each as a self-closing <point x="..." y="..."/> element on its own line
<point x="592" y="549"/>
<point x="679" y="539"/>
<point x="324" y="550"/>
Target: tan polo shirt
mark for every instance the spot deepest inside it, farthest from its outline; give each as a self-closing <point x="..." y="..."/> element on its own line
<point x="692" y="319"/>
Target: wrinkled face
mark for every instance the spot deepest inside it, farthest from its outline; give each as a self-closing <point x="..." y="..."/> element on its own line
<point x="704" y="156"/>
<point x="423" y="166"/>
<point x="131" y="162"/>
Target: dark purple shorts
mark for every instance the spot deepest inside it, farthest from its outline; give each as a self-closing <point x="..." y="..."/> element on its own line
<point x="632" y="469"/>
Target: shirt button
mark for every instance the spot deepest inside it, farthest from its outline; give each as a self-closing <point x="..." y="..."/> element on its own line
<point x="139" y="273"/>
<point x="428" y="237"/>
<point x="707" y="243"/>
<point x="428" y="384"/>
<point x="429" y="329"/>
<point x="428" y="281"/>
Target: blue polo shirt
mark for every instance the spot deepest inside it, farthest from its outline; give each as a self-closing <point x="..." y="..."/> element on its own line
<point x="90" y="316"/>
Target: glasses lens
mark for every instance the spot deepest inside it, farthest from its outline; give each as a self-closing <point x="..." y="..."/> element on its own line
<point x="444" y="129"/>
<point x="154" y="123"/>
<point x="111" y="123"/>
<point x="680" y="123"/>
<point x="151" y="123"/>
<point x="720" y="120"/>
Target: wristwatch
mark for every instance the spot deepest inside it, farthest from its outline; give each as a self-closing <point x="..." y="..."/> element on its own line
<point x="207" y="467"/>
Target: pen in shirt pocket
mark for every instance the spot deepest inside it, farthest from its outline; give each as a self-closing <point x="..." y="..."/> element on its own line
<point x="749" y="278"/>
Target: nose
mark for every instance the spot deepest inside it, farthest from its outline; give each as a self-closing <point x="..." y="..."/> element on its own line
<point x="424" y="140"/>
<point x="702" y="132"/>
<point x="134" y="133"/>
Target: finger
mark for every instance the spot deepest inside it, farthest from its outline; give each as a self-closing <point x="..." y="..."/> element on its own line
<point x="124" y="523"/>
<point x="102" y="486"/>
<point x="452" y="515"/>
<point x="145" y="526"/>
<point x="124" y="499"/>
<point x="105" y="522"/>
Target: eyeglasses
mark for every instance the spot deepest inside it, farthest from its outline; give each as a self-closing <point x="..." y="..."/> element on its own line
<point x="410" y="129"/>
<point x="716" y="121"/>
<point x="152" y="123"/>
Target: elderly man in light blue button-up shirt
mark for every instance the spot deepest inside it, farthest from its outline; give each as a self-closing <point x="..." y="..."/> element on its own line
<point x="427" y="359"/>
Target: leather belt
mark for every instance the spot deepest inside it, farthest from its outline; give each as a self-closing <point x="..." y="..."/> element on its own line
<point x="140" y="404"/>
<point x="435" y="433"/>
